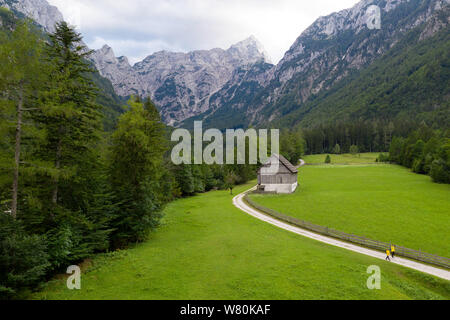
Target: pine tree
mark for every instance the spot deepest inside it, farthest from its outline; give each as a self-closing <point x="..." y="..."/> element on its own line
<point x="70" y="204"/>
<point x="185" y="179"/>
<point x="21" y="73"/>
<point x="70" y="113"/>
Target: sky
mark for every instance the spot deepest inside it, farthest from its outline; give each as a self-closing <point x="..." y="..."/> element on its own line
<point x="138" y="28"/>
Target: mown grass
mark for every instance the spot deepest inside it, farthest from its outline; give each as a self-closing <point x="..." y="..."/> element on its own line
<point x="382" y="202"/>
<point x="342" y="158"/>
<point x="207" y="249"/>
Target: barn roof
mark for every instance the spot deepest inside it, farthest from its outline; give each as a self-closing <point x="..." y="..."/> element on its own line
<point x="285" y="162"/>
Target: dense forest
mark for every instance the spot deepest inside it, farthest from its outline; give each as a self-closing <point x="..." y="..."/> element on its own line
<point x="410" y="82"/>
<point x="368" y="136"/>
<point x="424" y="151"/>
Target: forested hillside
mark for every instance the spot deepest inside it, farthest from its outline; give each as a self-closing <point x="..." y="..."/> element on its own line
<point x="112" y="105"/>
<point x="411" y="81"/>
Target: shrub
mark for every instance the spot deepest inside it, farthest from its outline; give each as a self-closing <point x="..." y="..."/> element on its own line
<point x="418" y="166"/>
<point x="439" y="172"/>
<point x="354" y="150"/>
<point x="337" y="149"/>
<point x="383" y="158"/>
<point x="23" y="258"/>
<point x="328" y="159"/>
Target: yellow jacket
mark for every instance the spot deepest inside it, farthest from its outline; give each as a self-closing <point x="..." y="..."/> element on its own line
<point x="392" y="248"/>
<point x="388" y="252"/>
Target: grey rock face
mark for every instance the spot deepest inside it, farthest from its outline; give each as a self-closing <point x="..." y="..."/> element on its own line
<point x="38" y="10"/>
<point x="180" y="83"/>
<point x="351" y="22"/>
<point x="118" y="71"/>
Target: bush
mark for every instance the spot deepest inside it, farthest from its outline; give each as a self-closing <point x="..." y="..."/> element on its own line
<point x="23" y="258"/>
<point x="328" y="159"/>
<point x="418" y="166"/>
<point x="337" y="149"/>
<point x="354" y="150"/>
<point x="383" y="158"/>
<point x="439" y="172"/>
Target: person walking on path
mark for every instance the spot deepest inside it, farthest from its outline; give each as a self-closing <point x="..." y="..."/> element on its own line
<point x="392" y="250"/>
<point x="388" y="253"/>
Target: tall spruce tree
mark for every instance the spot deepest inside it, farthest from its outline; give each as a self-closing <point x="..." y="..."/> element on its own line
<point x="72" y="206"/>
<point x="70" y="113"/>
<point x="21" y="72"/>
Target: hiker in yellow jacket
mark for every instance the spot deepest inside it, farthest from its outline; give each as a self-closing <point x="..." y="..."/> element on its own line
<point x="388" y="253"/>
<point x="392" y="250"/>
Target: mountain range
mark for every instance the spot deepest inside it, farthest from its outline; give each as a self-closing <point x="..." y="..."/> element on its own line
<point x="337" y="69"/>
<point x="333" y="50"/>
<point x="180" y="83"/>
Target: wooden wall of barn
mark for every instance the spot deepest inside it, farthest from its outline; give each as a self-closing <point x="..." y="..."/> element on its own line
<point x="280" y="178"/>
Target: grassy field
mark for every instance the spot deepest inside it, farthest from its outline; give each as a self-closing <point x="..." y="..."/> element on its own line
<point x="207" y="249"/>
<point x="342" y="158"/>
<point x="381" y="202"/>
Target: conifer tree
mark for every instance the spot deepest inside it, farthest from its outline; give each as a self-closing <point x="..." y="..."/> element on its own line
<point x="71" y="203"/>
<point x="137" y="150"/>
<point x="70" y="113"/>
<point x="21" y="73"/>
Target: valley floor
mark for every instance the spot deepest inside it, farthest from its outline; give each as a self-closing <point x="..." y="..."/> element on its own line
<point x="382" y="202"/>
<point x="208" y="249"/>
<point x="340" y="159"/>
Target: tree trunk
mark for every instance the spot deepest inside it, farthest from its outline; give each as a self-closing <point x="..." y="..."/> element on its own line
<point x="15" y="186"/>
<point x="57" y="166"/>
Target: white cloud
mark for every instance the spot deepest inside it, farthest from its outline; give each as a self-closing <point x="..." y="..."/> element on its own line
<point x="137" y="28"/>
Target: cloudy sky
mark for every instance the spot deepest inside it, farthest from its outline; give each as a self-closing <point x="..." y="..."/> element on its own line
<point x="138" y="28"/>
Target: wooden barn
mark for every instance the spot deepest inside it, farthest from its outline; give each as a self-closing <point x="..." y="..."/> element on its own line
<point x="277" y="175"/>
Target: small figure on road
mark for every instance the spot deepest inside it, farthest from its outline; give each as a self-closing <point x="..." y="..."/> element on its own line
<point x="388" y="253"/>
<point x="392" y="250"/>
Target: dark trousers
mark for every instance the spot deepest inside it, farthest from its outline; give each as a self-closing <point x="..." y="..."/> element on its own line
<point x="393" y="254"/>
<point x="387" y="258"/>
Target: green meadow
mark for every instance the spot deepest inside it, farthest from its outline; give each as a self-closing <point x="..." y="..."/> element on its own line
<point x="382" y="202"/>
<point x="208" y="249"/>
<point x="342" y="158"/>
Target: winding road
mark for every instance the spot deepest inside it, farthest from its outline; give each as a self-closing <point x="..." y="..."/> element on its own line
<point x="239" y="203"/>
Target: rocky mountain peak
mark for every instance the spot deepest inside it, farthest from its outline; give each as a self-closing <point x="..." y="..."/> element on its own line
<point x="39" y="10"/>
<point x="106" y="54"/>
<point x="251" y="49"/>
<point x="181" y="83"/>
